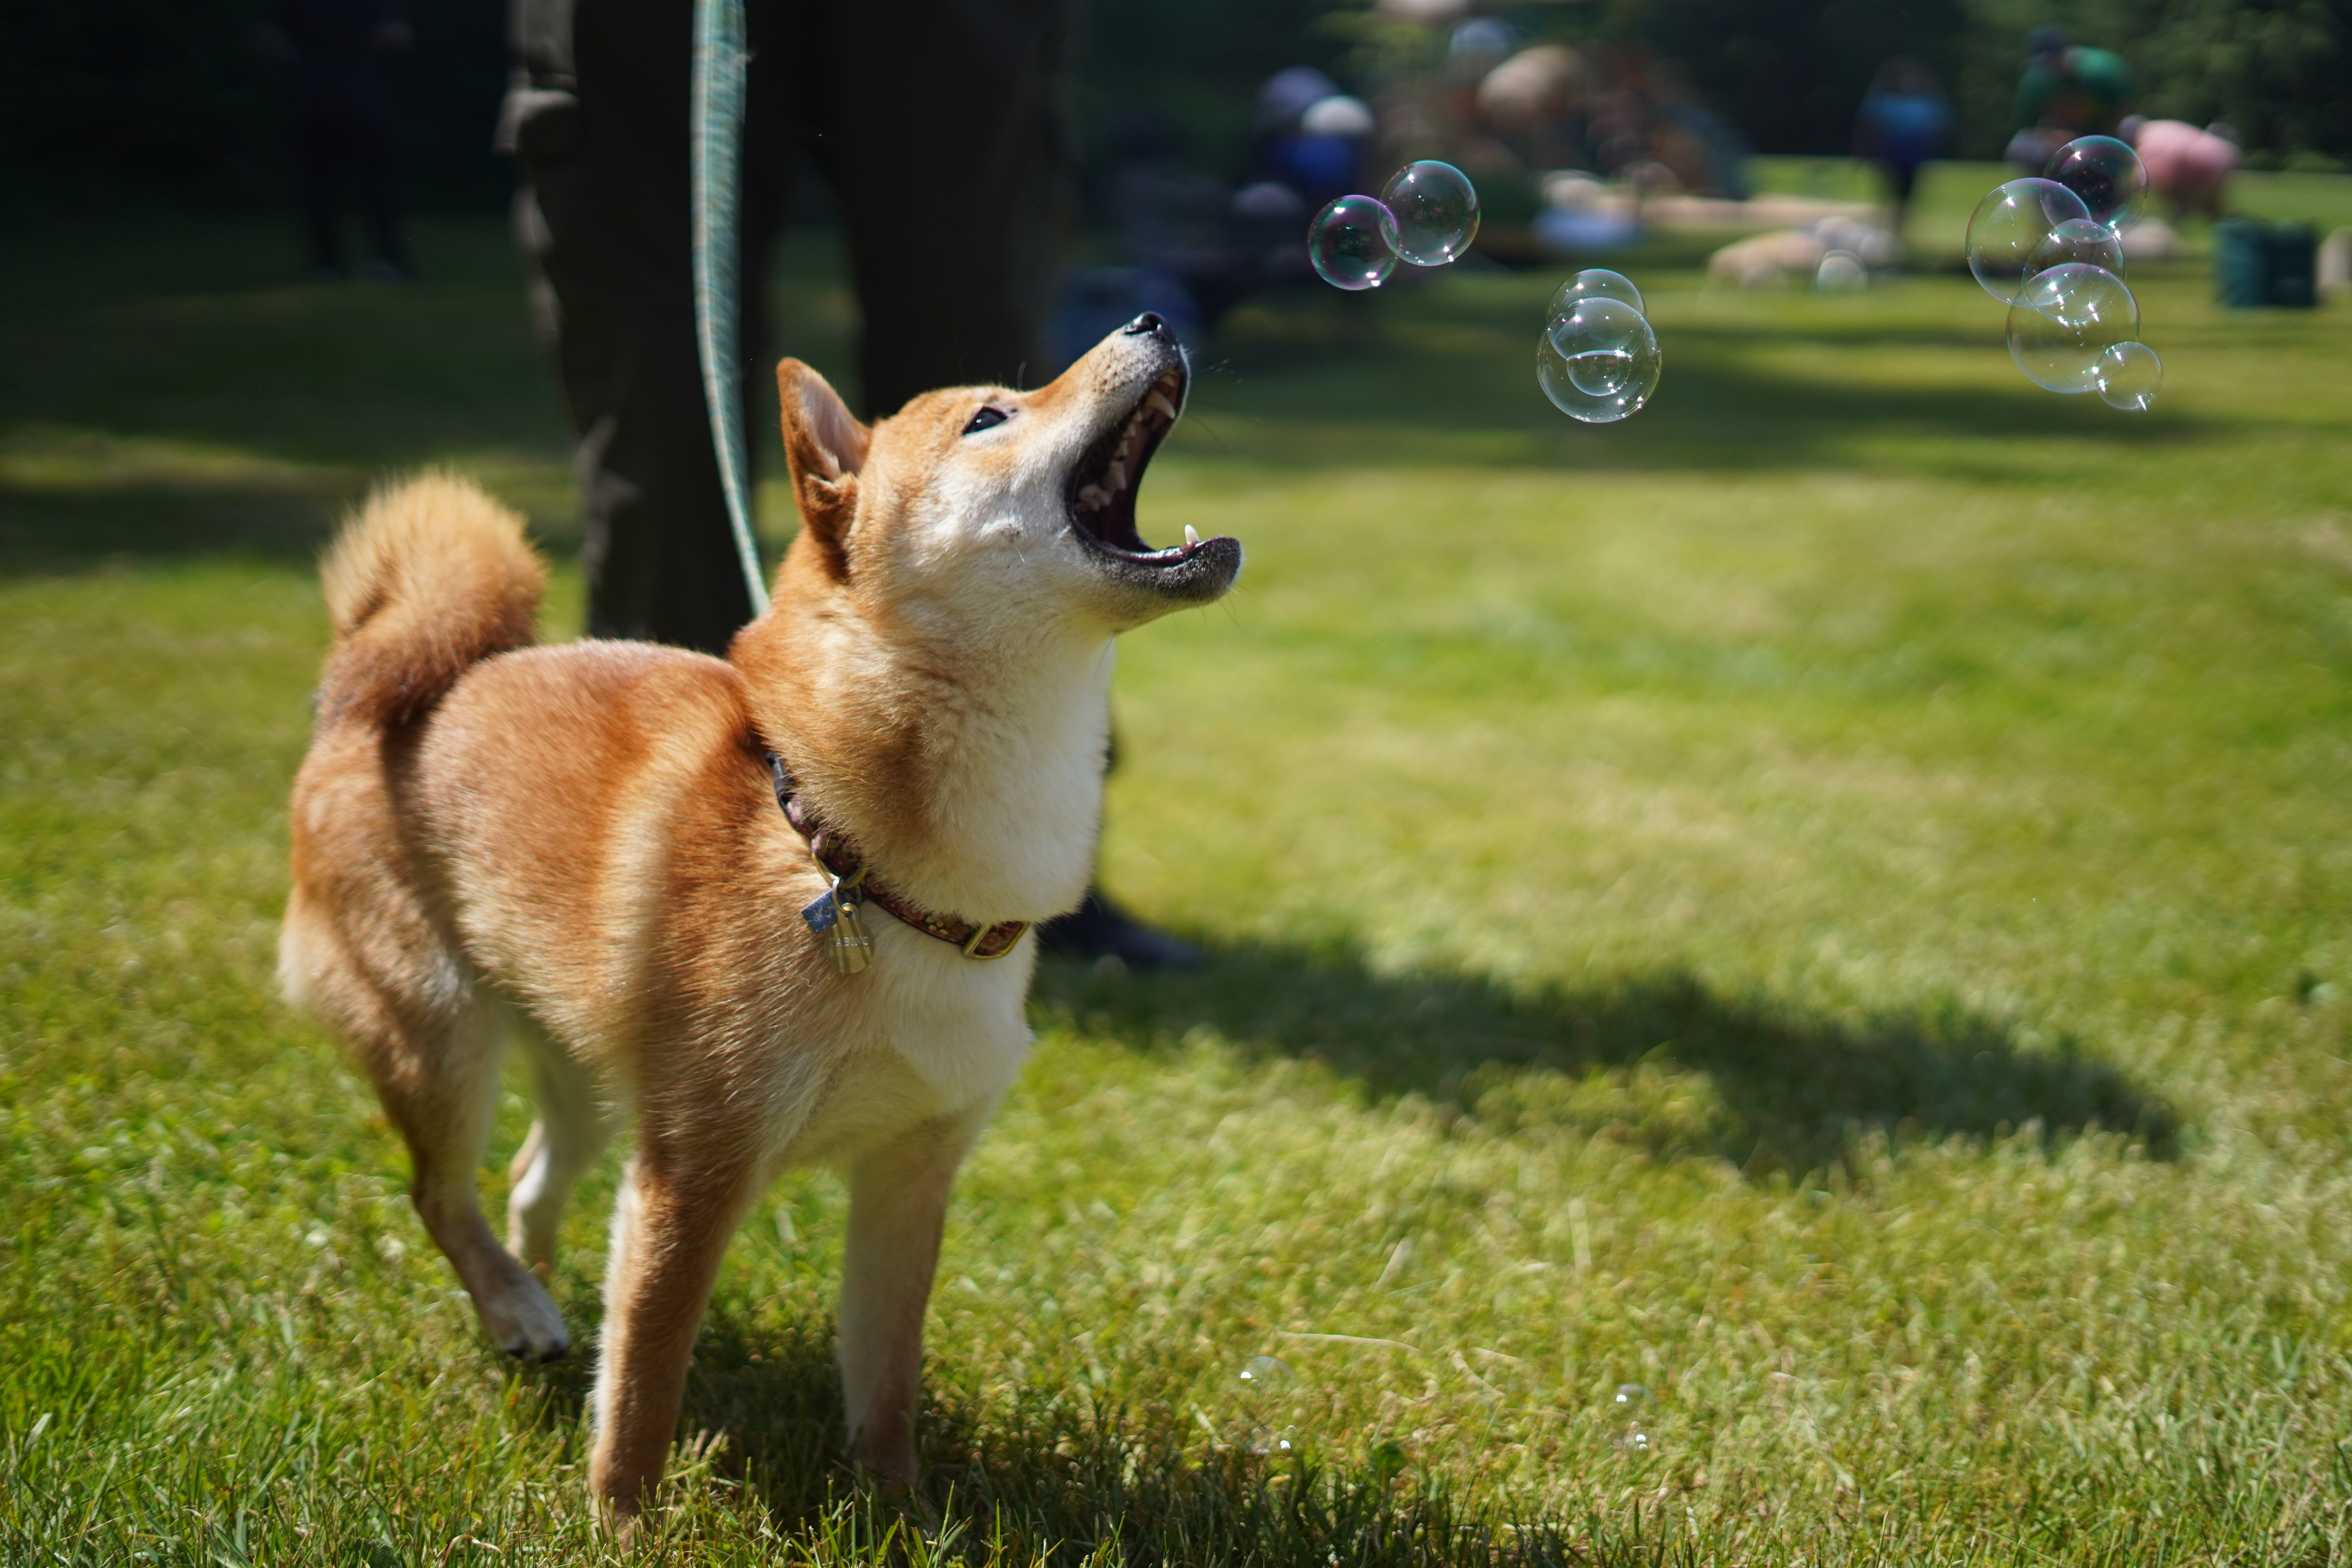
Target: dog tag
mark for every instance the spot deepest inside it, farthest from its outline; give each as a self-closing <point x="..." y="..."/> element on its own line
<point x="834" y="919"/>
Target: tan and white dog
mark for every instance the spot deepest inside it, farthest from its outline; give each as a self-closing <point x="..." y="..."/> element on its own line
<point x="585" y="840"/>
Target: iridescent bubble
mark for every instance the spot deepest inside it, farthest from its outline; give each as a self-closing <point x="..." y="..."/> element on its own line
<point x="2065" y="320"/>
<point x="1594" y="283"/>
<point x="1436" y="209"/>
<point x="1264" y="1376"/>
<point x="1842" y="272"/>
<point x="2129" y="377"/>
<point x="2078" y="239"/>
<point x="1599" y="362"/>
<point x="1269" y="1390"/>
<point x="1631" y="1397"/>
<point x="2108" y="175"/>
<point x="2009" y="228"/>
<point x="1353" y="243"/>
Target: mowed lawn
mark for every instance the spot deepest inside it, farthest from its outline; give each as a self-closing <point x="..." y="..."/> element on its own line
<point x="1780" y="986"/>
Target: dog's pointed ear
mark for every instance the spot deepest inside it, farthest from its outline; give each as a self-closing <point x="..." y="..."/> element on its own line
<point x="825" y="445"/>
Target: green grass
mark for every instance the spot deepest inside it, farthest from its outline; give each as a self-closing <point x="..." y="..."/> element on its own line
<point x="1826" y="900"/>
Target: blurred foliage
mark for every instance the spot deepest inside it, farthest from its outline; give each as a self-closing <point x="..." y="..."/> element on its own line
<point x="1195" y="66"/>
<point x="101" y="95"/>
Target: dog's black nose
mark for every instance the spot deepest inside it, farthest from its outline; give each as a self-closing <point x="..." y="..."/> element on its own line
<point x="1151" y="321"/>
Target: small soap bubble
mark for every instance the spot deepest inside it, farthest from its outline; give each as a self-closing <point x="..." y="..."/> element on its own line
<point x="1600" y="361"/>
<point x="2065" y="320"/>
<point x="2129" y="376"/>
<point x="1842" y="272"/>
<point x="1353" y="243"/>
<point x="2008" y="228"/>
<point x="1595" y="283"/>
<point x="1269" y="1390"/>
<point x="2078" y="239"/>
<point x="1264" y="1376"/>
<point x="2108" y="175"/>
<point x="1630" y="1396"/>
<point x="1436" y="209"/>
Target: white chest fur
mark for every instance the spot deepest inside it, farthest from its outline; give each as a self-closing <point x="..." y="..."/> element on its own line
<point x="931" y="1033"/>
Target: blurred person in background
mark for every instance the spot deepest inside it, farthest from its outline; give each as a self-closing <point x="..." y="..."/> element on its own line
<point x="938" y="124"/>
<point x="2067" y="91"/>
<point x="1905" y="120"/>
<point x="343" y="126"/>
<point x="2189" y="168"/>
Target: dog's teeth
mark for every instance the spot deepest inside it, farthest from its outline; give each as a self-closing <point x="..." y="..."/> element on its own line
<point x="1159" y="401"/>
<point x="1191" y="536"/>
<point x="1094" y="496"/>
<point x="1118" y="474"/>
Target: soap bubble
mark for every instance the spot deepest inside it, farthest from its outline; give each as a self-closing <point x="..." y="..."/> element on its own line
<point x="1269" y="1390"/>
<point x="1352" y="243"/>
<point x="2108" y="175"/>
<point x="2010" y="225"/>
<point x="1594" y="282"/>
<point x="2065" y="320"/>
<point x="1266" y="1376"/>
<point x="2078" y="239"/>
<point x="1436" y="210"/>
<point x="2129" y="375"/>
<point x="1630" y="1399"/>
<point x="1842" y="272"/>
<point x="1599" y="362"/>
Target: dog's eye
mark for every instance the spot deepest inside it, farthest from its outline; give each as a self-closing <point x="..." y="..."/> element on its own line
<point x="989" y="418"/>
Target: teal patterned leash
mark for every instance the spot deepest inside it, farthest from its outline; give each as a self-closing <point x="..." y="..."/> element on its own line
<point x="719" y="66"/>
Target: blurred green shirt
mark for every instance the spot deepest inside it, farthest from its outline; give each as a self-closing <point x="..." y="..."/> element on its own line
<point x="2079" y="88"/>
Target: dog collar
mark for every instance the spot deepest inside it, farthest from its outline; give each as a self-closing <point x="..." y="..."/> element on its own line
<point x="852" y="874"/>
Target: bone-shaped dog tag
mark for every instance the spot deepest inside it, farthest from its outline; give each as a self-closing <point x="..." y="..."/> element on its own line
<point x="834" y="919"/>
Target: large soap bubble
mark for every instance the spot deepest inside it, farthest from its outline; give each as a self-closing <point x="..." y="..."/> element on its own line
<point x="2078" y="239"/>
<point x="1353" y="243"/>
<point x="1594" y="282"/>
<point x="2066" y="319"/>
<point x="2108" y="175"/>
<point x="2129" y="377"/>
<point x="1600" y="361"/>
<point x="1436" y="210"/>
<point x="2009" y="227"/>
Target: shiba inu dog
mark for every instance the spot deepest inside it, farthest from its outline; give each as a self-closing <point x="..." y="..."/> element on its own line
<point x="774" y="907"/>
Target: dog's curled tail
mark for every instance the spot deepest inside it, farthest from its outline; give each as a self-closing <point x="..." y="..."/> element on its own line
<point x="430" y="578"/>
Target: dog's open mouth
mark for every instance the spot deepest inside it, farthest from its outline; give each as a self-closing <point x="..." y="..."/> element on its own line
<point x="1104" y="484"/>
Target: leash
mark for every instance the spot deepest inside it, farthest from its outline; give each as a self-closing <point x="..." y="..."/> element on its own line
<point x="716" y="129"/>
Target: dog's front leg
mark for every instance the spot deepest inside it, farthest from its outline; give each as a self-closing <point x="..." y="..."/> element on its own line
<point x="897" y="1209"/>
<point x="670" y="1230"/>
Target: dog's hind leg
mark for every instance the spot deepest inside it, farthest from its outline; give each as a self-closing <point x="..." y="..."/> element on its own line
<point x="572" y="1127"/>
<point x="444" y="1113"/>
<point x="898" y="1212"/>
<point x="409" y="1014"/>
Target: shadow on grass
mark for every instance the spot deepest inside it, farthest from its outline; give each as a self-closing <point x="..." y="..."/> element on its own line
<point x="1791" y="1089"/>
<point x="46" y="530"/>
<point x="1065" y="1474"/>
<point x="55" y="529"/>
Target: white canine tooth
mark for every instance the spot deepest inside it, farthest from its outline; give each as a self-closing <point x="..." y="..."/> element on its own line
<point x="1094" y="495"/>
<point x="1118" y="474"/>
<point x="1192" y="535"/>
<point x="1159" y="400"/>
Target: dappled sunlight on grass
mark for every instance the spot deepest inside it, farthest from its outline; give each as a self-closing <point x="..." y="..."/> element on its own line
<point x="1824" y="902"/>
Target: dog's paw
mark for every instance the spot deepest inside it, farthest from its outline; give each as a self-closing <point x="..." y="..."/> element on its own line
<point x="524" y="1323"/>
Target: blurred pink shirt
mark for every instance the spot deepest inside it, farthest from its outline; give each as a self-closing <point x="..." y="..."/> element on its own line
<point x="2184" y="162"/>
